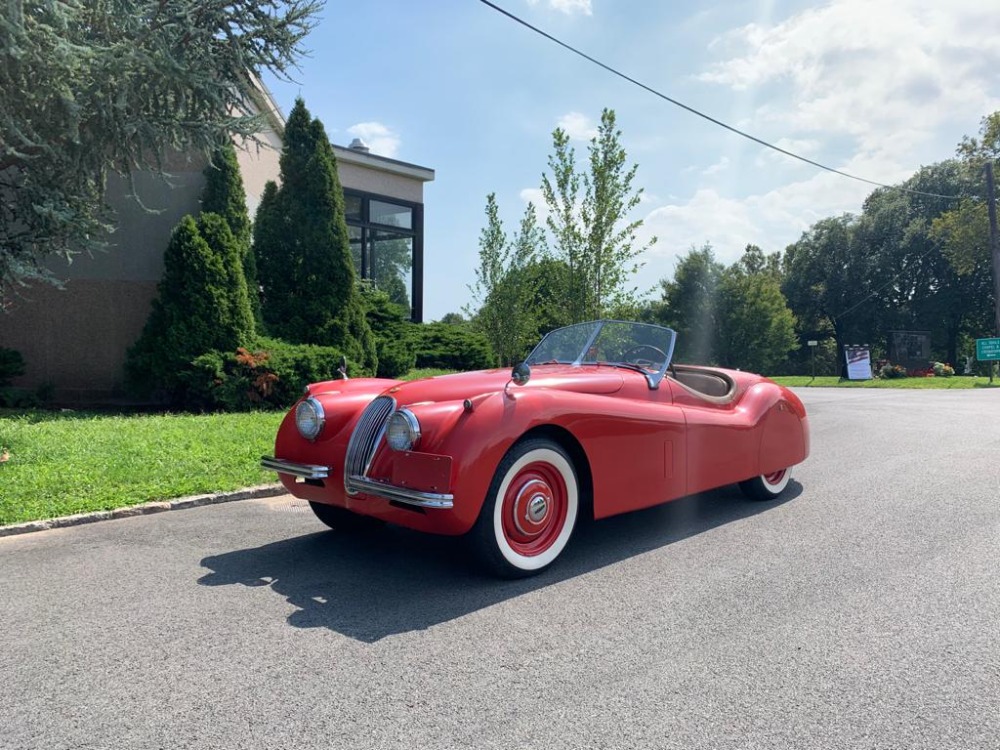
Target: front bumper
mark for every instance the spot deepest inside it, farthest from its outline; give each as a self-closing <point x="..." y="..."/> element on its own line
<point x="303" y="471"/>
<point x="355" y="484"/>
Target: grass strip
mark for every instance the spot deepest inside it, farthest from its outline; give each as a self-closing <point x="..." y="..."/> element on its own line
<point x="832" y="381"/>
<point x="61" y="463"/>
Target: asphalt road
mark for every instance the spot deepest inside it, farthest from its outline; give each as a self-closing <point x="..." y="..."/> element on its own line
<point x="863" y="611"/>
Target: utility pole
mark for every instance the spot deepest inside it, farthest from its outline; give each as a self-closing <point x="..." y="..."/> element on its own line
<point x="991" y="207"/>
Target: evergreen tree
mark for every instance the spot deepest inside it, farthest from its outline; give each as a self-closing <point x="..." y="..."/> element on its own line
<point x="201" y="305"/>
<point x="224" y="195"/>
<point x="93" y="87"/>
<point x="311" y="293"/>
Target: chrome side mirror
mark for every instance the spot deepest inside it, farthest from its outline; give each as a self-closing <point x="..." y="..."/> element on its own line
<point x="521" y="373"/>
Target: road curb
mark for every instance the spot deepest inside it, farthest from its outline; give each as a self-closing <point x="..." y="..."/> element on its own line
<point x="145" y="509"/>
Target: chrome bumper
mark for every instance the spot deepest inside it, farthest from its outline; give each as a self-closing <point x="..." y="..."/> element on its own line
<point x="356" y="484"/>
<point x="405" y="495"/>
<point x="304" y="471"/>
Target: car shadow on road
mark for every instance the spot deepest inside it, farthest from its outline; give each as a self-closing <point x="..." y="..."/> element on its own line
<point x="393" y="580"/>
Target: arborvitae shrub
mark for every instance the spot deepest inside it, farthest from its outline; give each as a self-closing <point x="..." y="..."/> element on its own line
<point x="201" y="305"/>
<point x="303" y="249"/>
<point x="224" y="195"/>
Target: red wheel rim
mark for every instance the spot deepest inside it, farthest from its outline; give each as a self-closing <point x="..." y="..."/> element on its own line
<point x="775" y="477"/>
<point x="534" y="509"/>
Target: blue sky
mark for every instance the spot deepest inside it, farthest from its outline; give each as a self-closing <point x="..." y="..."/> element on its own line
<point x="873" y="87"/>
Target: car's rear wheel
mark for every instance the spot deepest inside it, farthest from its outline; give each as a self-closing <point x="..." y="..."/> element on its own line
<point x="530" y="510"/>
<point x="341" y="519"/>
<point x="767" y="486"/>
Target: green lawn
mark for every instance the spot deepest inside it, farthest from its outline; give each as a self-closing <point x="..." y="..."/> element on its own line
<point x="832" y="381"/>
<point x="62" y="463"/>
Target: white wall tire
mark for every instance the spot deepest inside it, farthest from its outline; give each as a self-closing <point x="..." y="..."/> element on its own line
<point x="767" y="486"/>
<point x="530" y="510"/>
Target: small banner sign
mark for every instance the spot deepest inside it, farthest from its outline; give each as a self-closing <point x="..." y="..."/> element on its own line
<point x="987" y="350"/>
<point x="859" y="362"/>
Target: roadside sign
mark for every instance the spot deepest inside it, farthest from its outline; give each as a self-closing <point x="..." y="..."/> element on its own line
<point x="987" y="349"/>
<point x="812" y="343"/>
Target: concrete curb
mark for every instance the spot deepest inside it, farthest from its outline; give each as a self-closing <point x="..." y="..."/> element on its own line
<point x="195" y="501"/>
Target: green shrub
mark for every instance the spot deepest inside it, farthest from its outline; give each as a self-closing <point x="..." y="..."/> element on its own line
<point x="11" y="365"/>
<point x="891" y="371"/>
<point x="271" y="375"/>
<point x="303" y="248"/>
<point x="942" y="370"/>
<point x="394" y="344"/>
<point x="202" y="305"/>
<point x="451" y="347"/>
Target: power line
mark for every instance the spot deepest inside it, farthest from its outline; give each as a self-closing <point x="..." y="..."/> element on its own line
<point x="704" y="116"/>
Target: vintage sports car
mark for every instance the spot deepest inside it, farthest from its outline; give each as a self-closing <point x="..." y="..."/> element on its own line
<point x="596" y="421"/>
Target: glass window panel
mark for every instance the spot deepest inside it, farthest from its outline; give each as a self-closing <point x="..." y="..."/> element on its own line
<point x="355" y="234"/>
<point x="392" y="266"/>
<point x="352" y="208"/>
<point x="390" y="214"/>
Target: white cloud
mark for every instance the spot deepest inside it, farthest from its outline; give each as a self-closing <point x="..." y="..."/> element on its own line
<point x="379" y="138"/>
<point x="569" y="7"/>
<point x="874" y="70"/>
<point x="871" y="87"/>
<point x="578" y="126"/>
<point x="771" y="219"/>
<point x="720" y="166"/>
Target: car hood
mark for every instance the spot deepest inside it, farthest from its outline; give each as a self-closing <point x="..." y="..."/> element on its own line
<point x="584" y="379"/>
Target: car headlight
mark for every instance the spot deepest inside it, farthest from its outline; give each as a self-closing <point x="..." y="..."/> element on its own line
<point x="403" y="433"/>
<point x="309" y="418"/>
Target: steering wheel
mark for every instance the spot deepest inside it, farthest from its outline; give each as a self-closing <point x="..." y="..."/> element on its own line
<point x="632" y="355"/>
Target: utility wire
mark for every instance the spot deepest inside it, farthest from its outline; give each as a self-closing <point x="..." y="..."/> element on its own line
<point x="704" y="116"/>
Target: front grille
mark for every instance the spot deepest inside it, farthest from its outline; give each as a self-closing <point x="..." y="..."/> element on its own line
<point x="367" y="435"/>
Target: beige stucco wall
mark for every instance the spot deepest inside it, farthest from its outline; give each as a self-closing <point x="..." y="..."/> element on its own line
<point x="258" y="164"/>
<point x="382" y="183"/>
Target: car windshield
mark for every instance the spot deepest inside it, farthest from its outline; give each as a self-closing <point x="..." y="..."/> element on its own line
<point x="612" y="342"/>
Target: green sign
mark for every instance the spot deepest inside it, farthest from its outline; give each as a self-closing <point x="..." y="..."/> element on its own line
<point x="987" y="349"/>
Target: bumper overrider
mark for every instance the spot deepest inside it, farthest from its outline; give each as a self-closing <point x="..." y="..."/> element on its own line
<point x="355" y="484"/>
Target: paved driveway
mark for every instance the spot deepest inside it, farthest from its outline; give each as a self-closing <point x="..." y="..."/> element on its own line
<point x="861" y="612"/>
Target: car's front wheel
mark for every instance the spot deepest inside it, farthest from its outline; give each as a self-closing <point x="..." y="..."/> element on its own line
<point x="767" y="486"/>
<point x="530" y="510"/>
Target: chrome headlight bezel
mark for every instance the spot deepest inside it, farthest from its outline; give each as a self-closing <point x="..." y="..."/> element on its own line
<point x="310" y="418"/>
<point x="402" y="432"/>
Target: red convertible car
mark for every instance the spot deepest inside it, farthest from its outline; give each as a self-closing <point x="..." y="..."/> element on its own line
<point x="596" y="421"/>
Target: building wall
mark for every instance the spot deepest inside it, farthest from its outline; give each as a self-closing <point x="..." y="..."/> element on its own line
<point x="382" y="183"/>
<point x="76" y="338"/>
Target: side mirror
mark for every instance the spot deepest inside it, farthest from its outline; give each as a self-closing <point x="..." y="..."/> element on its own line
<point x="343" y="367"/>
<point x="521" y="373"/>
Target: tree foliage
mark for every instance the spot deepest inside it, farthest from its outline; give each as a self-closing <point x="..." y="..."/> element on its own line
<point x="224" y="195"/>
<point x="505" y="315"/>
<point x="690" y="305"/>
<point x="591" y="232"/>
<point x="305" y="268"/>
<point x="92" y="86"/>
<point x="735" y="317"/>
<point x="201" y="305"/>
